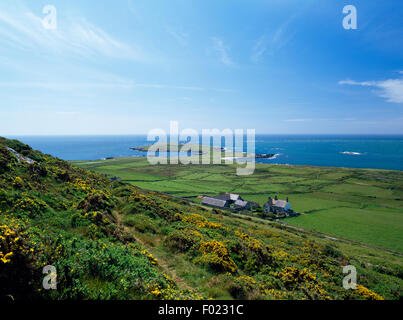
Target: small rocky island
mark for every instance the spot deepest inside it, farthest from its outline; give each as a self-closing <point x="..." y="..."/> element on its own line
<point x="265" y="156"/>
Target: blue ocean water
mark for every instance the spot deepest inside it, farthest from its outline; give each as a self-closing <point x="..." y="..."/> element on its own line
<point x="355" y="151"/>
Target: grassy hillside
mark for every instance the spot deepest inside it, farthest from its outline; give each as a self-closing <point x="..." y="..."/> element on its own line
<point x="117" y="241"/>
<point x="357" y="204"/>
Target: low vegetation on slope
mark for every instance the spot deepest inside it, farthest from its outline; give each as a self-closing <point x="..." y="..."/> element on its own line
<point x="110" y="240"/>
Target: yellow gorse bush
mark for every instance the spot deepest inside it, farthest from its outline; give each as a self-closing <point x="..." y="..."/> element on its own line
<point x="294" y="278"/>
<point x="30" y="204"/>
<point x="217" y="255"/>
<point x="248" y="282"/>
<point x="367" y="294"/>
<point x="252" y="243"/>
<point x="311" y="247"/>
<point x="171" y="292"/>
<point x="18" y="182"/>
<point x="201" y="222"/>
<point x="11" y="240"/>
<point x="139" y="197"/>
<point x="279" y="254"/>
<point x="293" y="275"/>
<point x="81" y="185"/>
<point x="193" y="233"/>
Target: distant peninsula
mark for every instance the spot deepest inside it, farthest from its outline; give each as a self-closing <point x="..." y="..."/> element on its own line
<point x="169" y="147"/>
<point x="164" y="147"/>
<point x="203" y="150"/>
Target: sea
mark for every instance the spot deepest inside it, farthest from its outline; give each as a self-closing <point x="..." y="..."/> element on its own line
<point x="353" y="151"/>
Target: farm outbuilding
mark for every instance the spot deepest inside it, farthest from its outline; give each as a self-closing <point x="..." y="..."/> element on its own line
<point x="217" y="203"/>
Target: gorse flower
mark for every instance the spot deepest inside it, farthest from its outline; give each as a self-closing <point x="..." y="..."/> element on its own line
<point x="367" y="294"/>
<point x="217" y="255"/>
<point x="11" y="239"/>
<point x="201" y="222"/>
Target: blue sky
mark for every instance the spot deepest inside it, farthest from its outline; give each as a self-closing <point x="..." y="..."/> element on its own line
<point x="125" y="67"/>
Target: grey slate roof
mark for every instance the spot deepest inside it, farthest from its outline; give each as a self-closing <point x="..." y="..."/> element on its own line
<point x="215" y="202"/>
<point x="229" y="196"/>
<point x="241" y="203"/>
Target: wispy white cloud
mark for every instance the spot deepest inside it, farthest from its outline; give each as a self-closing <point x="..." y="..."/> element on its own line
<point x="298" y="120"/>
<point x="267" y="44"/>
<point x="222" y="51"/>
<point x="93" y="40"/>
<point x="259" y="49"/>
<point x="67" y="85"/>
<point x="390" y="89"/>
<point x="123" y="84"/>
<point x="279" y="38"/>
<point x="22" y="29"/>
<point x="319" y="119"/>
<point x="180" y="37"/>
<point x="360" y="83"/>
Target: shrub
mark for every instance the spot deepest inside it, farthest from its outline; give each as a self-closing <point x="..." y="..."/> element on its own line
<point x="142" y="203"/>
<point x="256" y="251"/>
<point x="78" y="220"/>
<point x="291" y="276"/>
<point x="244" y="287"/>
<point x="302" y="279"/>
<point x="99" y="269"/>
<point x="217" y="256"/>
<point x="123" y="191"/>
<point x="16" y="266"/>
<point x="180" y="241"/>
<point x="367" y="294"/>
<point x="63" y="176"/>
<point x="201" y="222"/>
<point x="31" y="205"/>
<point x="6" y="160"/>
<point x="36" y="169"/>
<point x="236" y="290"/>
<point x="18" y="183"/>
<point x="96" y="201"/>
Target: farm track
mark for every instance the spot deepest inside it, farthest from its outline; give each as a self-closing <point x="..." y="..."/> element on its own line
<point x="162" y="262"/>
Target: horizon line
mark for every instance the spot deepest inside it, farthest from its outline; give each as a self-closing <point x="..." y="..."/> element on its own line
<point x="145" y="134"/>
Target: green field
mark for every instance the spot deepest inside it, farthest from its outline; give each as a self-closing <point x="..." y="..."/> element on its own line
<point x="363" y="205"/>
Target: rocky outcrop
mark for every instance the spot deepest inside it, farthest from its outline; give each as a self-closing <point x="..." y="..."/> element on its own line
<point x="20" y="157"/>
